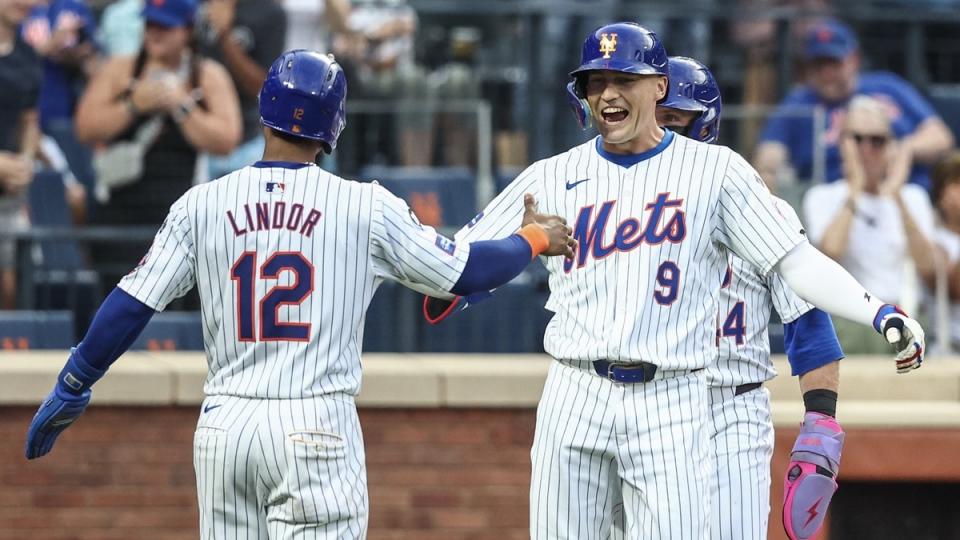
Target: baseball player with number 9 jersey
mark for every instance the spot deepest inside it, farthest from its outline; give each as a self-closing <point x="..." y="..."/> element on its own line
<point x="656" y="215"/>
<point x="286" y="258"/>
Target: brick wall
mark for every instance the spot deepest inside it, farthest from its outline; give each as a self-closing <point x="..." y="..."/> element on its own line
<point x="128" y="473"/>
<point x="123" y="474"/>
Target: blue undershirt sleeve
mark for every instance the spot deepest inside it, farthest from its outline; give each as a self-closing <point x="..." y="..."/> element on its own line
<point x="116" y="325"/>
<point x="811" y="342"/>
<point x="492" y="263"/>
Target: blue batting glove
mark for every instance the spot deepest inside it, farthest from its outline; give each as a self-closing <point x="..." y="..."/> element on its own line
<point x="58" y="411"/>
<point x="63" y="405"/>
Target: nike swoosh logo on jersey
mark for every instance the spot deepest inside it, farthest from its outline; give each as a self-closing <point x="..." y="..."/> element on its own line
<point x="573" y="185"/>
<point x="209" y="408"/>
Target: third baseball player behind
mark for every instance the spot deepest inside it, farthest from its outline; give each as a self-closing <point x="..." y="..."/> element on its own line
<point x="741" y="437"/>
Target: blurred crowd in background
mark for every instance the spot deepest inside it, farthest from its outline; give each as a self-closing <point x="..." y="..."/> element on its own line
<point x="110" y="110"/>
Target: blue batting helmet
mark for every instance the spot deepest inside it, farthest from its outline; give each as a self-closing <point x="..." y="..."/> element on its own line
<point x="693" y="88"/>
<point x="626" y="47"/>
<point x="304" y="96"/>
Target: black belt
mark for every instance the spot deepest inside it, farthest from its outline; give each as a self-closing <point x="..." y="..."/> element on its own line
<point x="744" y="388"/>
<point x="634" y="372"/>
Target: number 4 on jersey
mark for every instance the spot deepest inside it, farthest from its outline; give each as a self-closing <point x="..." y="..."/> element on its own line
<point x="271" y="329"/>
<point x="734" y="325"/>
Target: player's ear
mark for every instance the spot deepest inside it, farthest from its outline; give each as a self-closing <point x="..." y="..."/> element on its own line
<point x="662" y="85"/>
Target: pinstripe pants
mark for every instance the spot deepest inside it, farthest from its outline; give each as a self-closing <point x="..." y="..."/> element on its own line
<point x="598" y="442"/>
<point x="741" y="448"/>
<point x="280" y="469"/>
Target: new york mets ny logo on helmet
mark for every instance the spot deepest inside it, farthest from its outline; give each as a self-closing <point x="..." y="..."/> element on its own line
<point x="608" y="44"/>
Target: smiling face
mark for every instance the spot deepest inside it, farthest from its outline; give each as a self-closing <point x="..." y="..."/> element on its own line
<point x="623" y="106"/>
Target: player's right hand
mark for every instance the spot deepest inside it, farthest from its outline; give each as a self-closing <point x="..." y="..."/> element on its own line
<point x="561" y="241"/>
<point x="56" y="413"/>
<point x="904" y="333"/>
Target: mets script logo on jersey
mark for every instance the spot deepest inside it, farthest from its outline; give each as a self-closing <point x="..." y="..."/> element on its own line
<point x="608" y="44"/>
<point x="275" y="187"/>
<point x="665" y="223"/>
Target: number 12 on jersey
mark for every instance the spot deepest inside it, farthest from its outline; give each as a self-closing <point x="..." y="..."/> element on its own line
<point x="243" y="273"/>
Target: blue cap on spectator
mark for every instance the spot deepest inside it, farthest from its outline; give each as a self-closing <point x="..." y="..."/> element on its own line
<point x="170" y="13"/>
<point x="829" y="39"/>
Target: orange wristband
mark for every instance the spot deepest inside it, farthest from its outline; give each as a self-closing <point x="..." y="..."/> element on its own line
<point x="536" y="237"/>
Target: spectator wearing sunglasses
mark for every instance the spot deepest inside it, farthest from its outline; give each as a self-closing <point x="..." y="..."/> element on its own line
<point x="831" y="61"/>
<point x="872" y="220"/>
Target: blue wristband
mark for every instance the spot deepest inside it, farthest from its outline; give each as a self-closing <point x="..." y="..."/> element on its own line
<point x="884" y="310"/>
<point x="78" y="375"/>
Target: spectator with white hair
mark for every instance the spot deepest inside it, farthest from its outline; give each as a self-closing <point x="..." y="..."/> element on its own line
<point x="872" y="220"/>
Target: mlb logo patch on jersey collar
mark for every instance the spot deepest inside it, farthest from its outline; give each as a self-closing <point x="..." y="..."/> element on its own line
<point x="275" y="187"/>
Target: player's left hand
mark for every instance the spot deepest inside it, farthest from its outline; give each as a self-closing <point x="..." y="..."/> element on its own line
<point x="811" y="476"/>
<point x="904" y="333"/>
<point x="58" y="411"/>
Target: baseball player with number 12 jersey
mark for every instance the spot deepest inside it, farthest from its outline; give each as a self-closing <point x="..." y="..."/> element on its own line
<point x="625" y="405"/>
<point x="286" y="258"/>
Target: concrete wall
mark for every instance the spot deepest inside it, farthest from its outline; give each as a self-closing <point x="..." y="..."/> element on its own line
<point x="447" y="439"/>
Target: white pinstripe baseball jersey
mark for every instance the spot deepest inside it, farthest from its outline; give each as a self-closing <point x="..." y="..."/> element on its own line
<point x="741" y="436"/>
<point x="286" y="259"/>
<point x="746" y="300"/>
<point x="653" y="239"/>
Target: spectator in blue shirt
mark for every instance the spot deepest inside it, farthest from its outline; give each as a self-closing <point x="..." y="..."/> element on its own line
<point x="62" y="32"/>
<point x="832" y="57"/>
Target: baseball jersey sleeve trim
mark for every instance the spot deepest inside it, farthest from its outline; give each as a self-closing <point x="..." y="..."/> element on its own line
<point x="436" y="310"/>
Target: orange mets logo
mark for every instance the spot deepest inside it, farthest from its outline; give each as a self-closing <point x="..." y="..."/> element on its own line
<point x="608" y="44"/>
